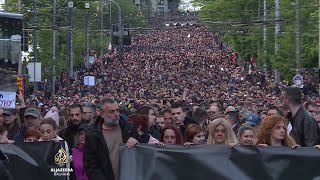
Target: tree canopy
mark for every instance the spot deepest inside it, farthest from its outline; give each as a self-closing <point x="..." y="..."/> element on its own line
<point x="131" y="14"/>
<point x="240" y="23"/>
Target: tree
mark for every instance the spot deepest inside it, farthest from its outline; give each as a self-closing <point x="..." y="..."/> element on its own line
<point x="238" y="24"/>
<point x="130" y="14"/>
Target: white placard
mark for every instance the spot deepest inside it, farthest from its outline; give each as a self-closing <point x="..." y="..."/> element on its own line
<point x="7" y="100"/>
<point x="34" y="72"/>
<point x="91" y="59"/>
<point x="88" y="80"/>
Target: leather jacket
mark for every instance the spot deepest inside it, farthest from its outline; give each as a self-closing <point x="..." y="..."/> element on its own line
<point x="305" y="130"/>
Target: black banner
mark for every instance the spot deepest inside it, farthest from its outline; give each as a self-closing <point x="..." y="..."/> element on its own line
<point x="208" y="162"/>
<point x="38" y="160"/>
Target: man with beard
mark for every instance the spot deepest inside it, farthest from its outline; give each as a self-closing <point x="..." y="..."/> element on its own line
<point x="32" y="119"/>
<point x="305" y="130"/>
<point x="75" y="120"/>
<point x="89" y="112"/>
<point x="101" y="149"/>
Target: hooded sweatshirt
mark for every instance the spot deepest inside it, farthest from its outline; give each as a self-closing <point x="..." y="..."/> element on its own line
<point x="77" y="156"/>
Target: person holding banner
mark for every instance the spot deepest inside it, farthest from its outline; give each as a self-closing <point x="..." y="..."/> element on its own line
<point x="220" y="132"/>
<point x="153" y="129"/>
<point x="142" y="124"/>
<point x="101" y="148"/>
<point x="48" y="130"/>
<point x="246" y="135"/>
<point x="194" y="135"/>
<point x="273" y="132"/>
<point x="171" y="135"/>
<point x="32" y="135"/>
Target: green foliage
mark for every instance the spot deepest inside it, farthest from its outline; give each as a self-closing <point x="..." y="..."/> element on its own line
<point x="237" y="21"/>
<point x="130" y="14"/>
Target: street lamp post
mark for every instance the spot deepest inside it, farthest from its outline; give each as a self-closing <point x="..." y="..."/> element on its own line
<point x="298" y="39"/>
<point x="101" y="28"/>
<point x="87" y="6"/>
<point x="70" y="39"/>
<point x="53" y="81"/>
<point x="35" y="43"/>
<point x="119" y="12"/>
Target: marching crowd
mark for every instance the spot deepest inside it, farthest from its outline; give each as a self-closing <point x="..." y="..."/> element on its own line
<point x="175" y="85"/>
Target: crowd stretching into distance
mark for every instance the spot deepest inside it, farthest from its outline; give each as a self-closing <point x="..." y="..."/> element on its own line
<point x="174" y="85"/>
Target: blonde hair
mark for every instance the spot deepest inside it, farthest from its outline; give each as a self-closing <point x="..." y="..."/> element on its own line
<point x="230" y="137"/>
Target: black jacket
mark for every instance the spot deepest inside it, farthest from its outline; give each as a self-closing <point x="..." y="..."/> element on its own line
<point x="68" y="135"/>
<point x="19" y="137"/>
<point x="305" y="130"/>
<point x="155" y="131"/>
<point x="96" y="159"/>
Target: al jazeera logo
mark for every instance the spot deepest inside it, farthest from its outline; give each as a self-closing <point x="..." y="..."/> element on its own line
<point x="61" y="159"/>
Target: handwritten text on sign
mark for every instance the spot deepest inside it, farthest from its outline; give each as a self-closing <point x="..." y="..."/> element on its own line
<point x="7" y="100"/>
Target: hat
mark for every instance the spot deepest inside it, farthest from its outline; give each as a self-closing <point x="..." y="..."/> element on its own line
<point x="54" y="115"/>
<point x="230" y="109"/>
<point x="252" y="119"/>
<point x="85" y="127"/>
<point x="10" y="111"/>
<point x="32" y="112"/>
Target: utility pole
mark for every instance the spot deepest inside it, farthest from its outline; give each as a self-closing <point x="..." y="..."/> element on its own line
<point x="54" y="26"/>
<point x="110" y="20"/>
<point x="101" y="29"/>
<point x="265" y="36"/>
<point x="70" y="39"/>
<point x="259" y="18"/>
<point x="87" y="6"/>
<point x="19" y="6"/>
<point x="20" y="54"/>
<point x="35" y="43"/>
<point x="277" y="33"/>
<point x="5" y="5"/>
<point x="298" y="68"/>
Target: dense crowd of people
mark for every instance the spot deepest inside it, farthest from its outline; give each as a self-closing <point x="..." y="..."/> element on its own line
<point x="174" y="85"/>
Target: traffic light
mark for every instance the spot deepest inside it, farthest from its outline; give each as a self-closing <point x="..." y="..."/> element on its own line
<point x="25" y="40"/>
<point x="114" y="38"/>
<point x="127" y="38"/>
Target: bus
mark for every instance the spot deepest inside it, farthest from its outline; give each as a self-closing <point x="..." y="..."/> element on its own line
<point x="11" y="26"/>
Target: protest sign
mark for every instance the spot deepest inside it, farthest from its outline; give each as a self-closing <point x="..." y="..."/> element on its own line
<point x="89" y="80"/>
<point x="7" y="100"/>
